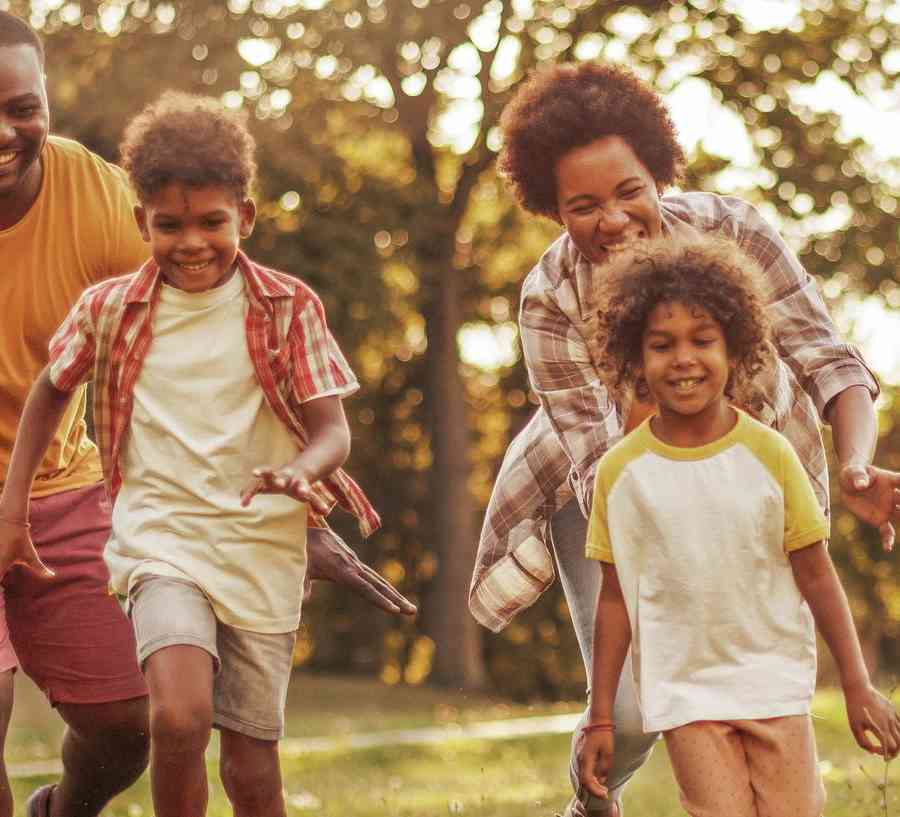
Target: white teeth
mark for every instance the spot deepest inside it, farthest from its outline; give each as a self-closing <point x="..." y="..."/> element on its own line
<point x="194" y="267"/>
<point x="6" y="158"/>
<point x="687" y="383"/>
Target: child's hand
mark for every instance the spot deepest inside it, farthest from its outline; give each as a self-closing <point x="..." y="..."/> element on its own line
<point x="16" y="548"/>
<point x="595" y="755"/>
<point x="870" y="713"/>
<point x="286" y="480"/>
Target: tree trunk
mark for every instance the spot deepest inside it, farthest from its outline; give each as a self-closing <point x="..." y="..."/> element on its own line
<point x="458" y="658"/>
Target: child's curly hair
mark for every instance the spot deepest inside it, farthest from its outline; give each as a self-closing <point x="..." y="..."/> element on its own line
<point x="711" y="273"/>
<point x="570" y="105"/>
<point x="191" y="140"/>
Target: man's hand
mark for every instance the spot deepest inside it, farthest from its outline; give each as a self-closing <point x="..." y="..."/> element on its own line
<point x="873" y="495"/>
<point x="287" y="480"/>
<point x="16" y="548"/>
<point x="329" y="558"/>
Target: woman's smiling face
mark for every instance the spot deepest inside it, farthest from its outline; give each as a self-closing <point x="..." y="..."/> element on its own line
<point x="606" y="197"/>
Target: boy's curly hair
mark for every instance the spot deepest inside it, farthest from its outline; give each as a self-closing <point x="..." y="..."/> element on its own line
<point x="191" y="140"/>
<point x="570" y="105"/>
<point x="711" y="273"/>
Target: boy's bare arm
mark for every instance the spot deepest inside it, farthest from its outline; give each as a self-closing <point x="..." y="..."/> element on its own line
<point x="612" y="636"/>
<point x="43" y="409"/>
<point x="867" y="710"/>
<point x="326" y="451"/>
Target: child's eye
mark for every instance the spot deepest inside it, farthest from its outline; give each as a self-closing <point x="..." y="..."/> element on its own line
<point x="26" y="111"/>
<point x="631" y="192"/>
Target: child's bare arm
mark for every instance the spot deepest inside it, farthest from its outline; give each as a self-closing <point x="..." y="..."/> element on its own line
<point x="328" y="447"/>
<point x="867" y="710"/>
<point x="43" y="409"/>
<point x="612" y="636"/>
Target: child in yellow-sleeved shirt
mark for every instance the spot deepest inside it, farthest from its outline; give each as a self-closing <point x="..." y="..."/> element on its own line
<point x="715" y="567"/>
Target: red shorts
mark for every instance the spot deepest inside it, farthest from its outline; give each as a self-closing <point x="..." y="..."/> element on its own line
<point x="7" y="653"/>
<point x="71" y="636"/>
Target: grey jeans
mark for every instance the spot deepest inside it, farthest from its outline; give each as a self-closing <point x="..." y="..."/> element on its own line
<point x="580" y="579"/>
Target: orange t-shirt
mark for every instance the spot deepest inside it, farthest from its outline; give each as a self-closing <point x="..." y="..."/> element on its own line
<point x="80" y="230"/>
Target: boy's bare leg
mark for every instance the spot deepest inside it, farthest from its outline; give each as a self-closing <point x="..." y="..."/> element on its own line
<point x="104" y="751"/>
<point x="6" y="703"/>
<point x="251" y="775"/>
<point x="180" y="678"/>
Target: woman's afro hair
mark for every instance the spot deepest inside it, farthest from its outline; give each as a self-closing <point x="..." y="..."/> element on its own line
<point x="570" y="105"/>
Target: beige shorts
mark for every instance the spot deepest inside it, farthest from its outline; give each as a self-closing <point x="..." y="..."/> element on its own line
<point x="252" y="670"/>
<point x="747" y="768"/>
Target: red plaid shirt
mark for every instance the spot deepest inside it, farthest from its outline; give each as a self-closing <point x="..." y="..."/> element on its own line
<point x="107" y="334"/>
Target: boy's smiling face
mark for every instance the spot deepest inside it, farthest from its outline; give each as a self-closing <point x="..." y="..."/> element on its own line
<point x="686" y="366"/>
<point x="194" y="233"/>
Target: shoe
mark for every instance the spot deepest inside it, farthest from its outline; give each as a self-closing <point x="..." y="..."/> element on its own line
<point x="38" y="805"/>
<point x="575" y="808"/>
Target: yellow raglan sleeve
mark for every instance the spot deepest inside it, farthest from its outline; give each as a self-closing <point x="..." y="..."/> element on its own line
<point x="598" y="545"/>
<point x="805" y="522"/>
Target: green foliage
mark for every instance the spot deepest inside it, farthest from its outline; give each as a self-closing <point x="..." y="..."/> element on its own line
<point x="364" y="194"/>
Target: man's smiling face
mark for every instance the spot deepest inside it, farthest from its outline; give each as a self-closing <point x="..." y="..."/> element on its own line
<point x="24" y="124"/>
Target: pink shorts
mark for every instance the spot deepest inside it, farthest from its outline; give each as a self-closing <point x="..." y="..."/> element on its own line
<point x="71" y="636"/>
<point x="747" y="768"/>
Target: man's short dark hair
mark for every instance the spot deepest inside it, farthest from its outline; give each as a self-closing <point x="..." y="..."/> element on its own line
<point x="15" y="31"/>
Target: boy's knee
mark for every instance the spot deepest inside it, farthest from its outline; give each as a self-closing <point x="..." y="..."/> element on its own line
<point x="182" y="727"/>
<point x="251" y="784"/>
<point x="6" y="698"/>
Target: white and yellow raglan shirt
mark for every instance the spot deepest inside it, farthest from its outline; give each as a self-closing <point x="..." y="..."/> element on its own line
<point x="700" y="537"/>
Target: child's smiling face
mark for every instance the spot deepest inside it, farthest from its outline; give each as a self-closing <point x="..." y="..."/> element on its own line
<point x="194" y="233"/>
<point x="686" y="366"/>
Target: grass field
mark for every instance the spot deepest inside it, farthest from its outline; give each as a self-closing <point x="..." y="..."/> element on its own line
<point x="479" y="778"/>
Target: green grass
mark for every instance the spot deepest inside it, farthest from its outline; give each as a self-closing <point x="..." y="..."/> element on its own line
<point x="470" y="777"/>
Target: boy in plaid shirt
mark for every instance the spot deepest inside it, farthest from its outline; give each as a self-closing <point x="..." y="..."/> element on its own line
<point x="217" y="402"/>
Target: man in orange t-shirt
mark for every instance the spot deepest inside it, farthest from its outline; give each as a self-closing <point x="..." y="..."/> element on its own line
<point x="66" y="222"/>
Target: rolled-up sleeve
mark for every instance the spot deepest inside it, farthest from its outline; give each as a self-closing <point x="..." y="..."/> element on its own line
<point x="319" y="367"/>
<point x="562" y="374"/>
<point x="804" y="333"/>
<point x="73" y="347"/>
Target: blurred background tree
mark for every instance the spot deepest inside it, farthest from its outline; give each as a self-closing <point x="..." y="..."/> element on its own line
<point x="377" y="130"/>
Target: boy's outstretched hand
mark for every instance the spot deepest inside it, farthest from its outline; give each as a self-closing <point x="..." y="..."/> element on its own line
<point x="16" y="548"/>
<point x="285" y="480"/>
<point x="595" y="754"/>
<point x="871" y="714"/>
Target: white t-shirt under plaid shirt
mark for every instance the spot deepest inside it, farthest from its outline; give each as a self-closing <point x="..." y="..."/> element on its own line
<point x="700" y="537"/>
<point x="199" y="426"/>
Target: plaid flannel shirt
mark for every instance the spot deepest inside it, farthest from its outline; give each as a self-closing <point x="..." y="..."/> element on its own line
<point x="554" y="457"/>
<point x="107" y="334"/>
